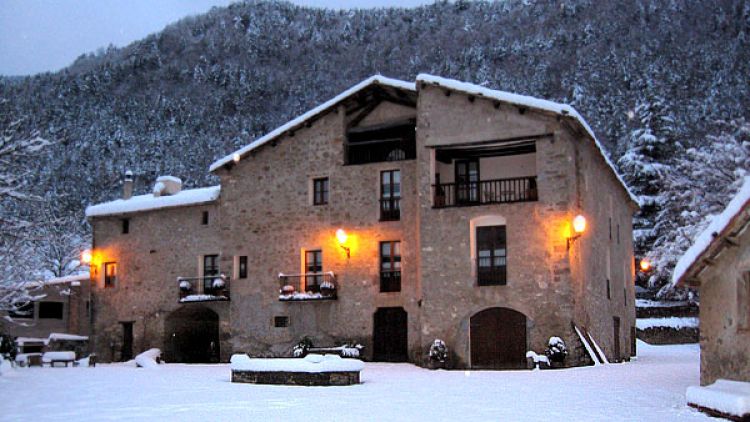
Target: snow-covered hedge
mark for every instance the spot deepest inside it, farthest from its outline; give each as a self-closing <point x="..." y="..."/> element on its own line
<point x="438" y="351"/>
<point x="556" y="350"/>
<point x="149" y="359"/>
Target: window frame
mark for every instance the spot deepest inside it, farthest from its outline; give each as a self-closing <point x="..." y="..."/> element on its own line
<point x="242" y="267"/>
<point x="208" y="276"/>
<point x="125" y="229"/>
<point x="44" y="312"/>
<point x="320" y="190"/>
<point x="314" y="268"/>
<point x="110" y="281"/>
<point x="205" y="219"/>
<point x="390" y="283"/>
<point x="390" y="197"/>
<point x="497" y="275"/>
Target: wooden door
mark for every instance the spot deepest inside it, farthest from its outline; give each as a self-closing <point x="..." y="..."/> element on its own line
<point x="498" y="339"/>
<point x="616" y="326"/>
<point x="126" y="353"/>
<point x="467" y="181"/>
<point x="390" y="337"/>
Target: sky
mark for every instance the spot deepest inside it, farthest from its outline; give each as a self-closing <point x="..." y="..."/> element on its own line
<point x="47" y="35"/>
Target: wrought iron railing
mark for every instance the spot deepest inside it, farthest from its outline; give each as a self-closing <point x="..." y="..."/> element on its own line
<point x="203" y="289"/>
<point x="307" y="286"/>
<point x="497" y="191"/>
<point x="390" y="209"/>
<point x="390" y="281"/>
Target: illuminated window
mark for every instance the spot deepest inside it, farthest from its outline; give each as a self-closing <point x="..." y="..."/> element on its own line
<point x="110" y="274"/>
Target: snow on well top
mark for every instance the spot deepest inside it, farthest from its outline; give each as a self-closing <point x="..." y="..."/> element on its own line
<point x="376" y="79"/>
<point x="151" y="202"/>
<point x="718" y="224"/>
<point x="530" y="102"/>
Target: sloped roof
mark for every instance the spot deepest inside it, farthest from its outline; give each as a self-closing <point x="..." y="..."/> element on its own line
<point x="530" y="102"/>
<point x="372" y="80"/>
<point x="150" y="202"/>
<point x="710" y="237"/>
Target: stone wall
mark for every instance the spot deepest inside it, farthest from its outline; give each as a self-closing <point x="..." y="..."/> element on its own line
<point x="297" y="378"/>
<point x="724" y="324"/>
<point x="161" y="245"/>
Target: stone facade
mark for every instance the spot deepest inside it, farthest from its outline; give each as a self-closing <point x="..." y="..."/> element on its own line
<point x="297" y="378"/>
<point x="265" y="213"/>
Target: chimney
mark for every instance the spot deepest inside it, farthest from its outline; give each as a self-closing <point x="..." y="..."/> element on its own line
<point x="127" y="185"/>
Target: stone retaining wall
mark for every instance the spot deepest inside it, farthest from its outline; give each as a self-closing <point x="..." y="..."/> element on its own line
<point x="296" y="378"/>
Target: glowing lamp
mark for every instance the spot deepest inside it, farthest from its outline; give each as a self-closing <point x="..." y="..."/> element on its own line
<point x="86" y="257"/>
<point x="579" y="224"/>
<point x="645" y="265"/>
<point x="341" y="236"/>
<point x="236" y="157"/>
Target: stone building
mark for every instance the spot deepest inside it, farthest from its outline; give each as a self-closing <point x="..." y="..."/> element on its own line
<point x="392" y="215"/>
<point x="718" y="264"/>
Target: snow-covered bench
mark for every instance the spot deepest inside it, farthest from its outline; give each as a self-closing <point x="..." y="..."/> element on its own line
<point x="52" y="358"/>
<point x="311" y="370"/>
<point x="724" y="398"/>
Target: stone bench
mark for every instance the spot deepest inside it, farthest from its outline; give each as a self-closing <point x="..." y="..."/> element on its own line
<point x="312" y="370"/>
<point x="53" y="358"/>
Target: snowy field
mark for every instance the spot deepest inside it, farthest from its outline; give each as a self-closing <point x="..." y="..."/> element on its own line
<point x="649" y="389"/>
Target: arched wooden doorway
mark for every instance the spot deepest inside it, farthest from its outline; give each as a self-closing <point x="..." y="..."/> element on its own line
<point x="390" y="337"/>
<point x="498" y="339"/>
<point x="191" y="335"/>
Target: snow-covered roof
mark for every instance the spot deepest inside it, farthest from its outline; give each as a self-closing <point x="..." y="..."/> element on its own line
<point x="526" y="101"/>
<point x="150" y="202"/>
<point x="72" y="279"/>
<point x="718" y="225"/>
<point x="372" y="80"/>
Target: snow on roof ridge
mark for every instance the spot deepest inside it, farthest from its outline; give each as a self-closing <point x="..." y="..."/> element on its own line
<point x="150" y="202"/>
<point x="375" y="79"/>
<point x="532" y="102"/>
<point x="718" y="224"/>
<point x="67" y="279"/>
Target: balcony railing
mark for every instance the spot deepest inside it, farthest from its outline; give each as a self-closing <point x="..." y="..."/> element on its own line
<point x="390" y="209"/>
<point x="317" y="286"/>
<point x="203" y="289"/>
<point x="390" y="281"/>
<point x="498" y="191"/>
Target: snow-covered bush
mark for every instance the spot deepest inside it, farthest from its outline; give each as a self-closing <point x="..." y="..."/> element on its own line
<point x="300" y="349"/>
<point x="438" y="351"/>
<point x="185" y="285"/>
<point x="326" y="284"/>
<point x="351" y="349"/>
<point x="556" y="350"/>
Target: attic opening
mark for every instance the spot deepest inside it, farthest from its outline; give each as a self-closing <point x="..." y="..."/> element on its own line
<point x="381" y="125"/>
<point x="393" y="141"/>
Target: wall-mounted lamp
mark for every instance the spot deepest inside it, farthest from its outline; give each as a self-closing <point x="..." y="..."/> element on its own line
<point x="341" y="236"/>
<point x="579" y="226"/>
<point x="645" y="265"/>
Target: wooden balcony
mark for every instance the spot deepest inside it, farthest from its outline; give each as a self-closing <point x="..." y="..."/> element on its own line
<point x="498" y="191"/>
<point x="203" y="289"/>
<point x="307" y="287"/>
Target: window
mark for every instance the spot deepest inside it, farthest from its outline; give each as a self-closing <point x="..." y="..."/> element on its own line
<point x="205" y="218"/>
<point x="110" y="274"/>
<point x="625" y="296"/>
<point x="610" y="228"/>
<point x="242" y="267"/>
<point x="281" y="321"/>
<point x="210" y="271"/>
<point x="313" y="270"/>
<point x="320" y="191"/>
<point x="609" y="292"/>
<point x="25" y="311"/>
<point x="125" y="225"/>
<point x="491" y="255"/>
<point x="618" y="234"/>
<point x="743" y="301"/>
<point x="51" y="310"/>
<point x="390" y="266"/>
<point x="390" y="195"/>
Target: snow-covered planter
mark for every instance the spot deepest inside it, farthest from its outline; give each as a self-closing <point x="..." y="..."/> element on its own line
<point x="327" y="288"/>
<point x="185" y="286"/>
<point x="438" y="354"/>
<point x="556" y="351"/>
<point x="218" y="283"/>
<point x="287" y="290"/>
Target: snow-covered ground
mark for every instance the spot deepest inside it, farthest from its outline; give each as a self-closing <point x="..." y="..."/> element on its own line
<point x="649" y="389"/>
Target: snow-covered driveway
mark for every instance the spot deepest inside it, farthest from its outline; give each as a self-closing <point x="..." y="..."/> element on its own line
<point x="650" y="389"/>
